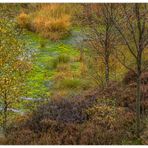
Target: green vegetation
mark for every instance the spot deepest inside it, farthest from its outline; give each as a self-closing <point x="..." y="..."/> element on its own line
<point x="73" y="74"/>
<point x="45" y="63"/>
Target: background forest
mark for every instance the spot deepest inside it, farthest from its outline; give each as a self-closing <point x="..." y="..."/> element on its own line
<point x="73" y="74"/>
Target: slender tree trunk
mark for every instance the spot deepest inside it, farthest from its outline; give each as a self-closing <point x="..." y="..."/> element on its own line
<point x="107" y="70"/>
<point x="5" y="122"/>
<point x="5" y="115"/>
<point x="138" y="100"/>
<point x="107" y="55"/>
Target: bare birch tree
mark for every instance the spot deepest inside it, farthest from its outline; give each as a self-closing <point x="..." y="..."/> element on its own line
<point x="100" y="33"/>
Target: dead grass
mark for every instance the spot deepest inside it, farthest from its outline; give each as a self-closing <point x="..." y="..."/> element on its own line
<point x="51" y="21"/>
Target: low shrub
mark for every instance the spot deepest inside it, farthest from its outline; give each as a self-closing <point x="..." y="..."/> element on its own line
<point x="3" y="140"/>
<point x="92" y="117"/>
<point x="74" y="121"/>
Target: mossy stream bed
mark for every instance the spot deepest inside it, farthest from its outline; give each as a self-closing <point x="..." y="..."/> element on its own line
<point x="39" y="81"/>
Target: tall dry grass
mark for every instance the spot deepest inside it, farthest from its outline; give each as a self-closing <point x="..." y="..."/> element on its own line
<point x="52" y="21"/>
<point x="23" y="20"/>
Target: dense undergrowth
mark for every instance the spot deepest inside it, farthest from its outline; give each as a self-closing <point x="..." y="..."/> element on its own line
<point x="93" y="117"/>
<point x="67" y="98"/>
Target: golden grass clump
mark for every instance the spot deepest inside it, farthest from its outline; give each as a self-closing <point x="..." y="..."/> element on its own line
<point x="51" y="21"/>
<point x="23" y="20"/>
<point x="37" y="24"/>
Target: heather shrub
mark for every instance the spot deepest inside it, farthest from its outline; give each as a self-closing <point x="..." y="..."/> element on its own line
<point x="88" y="132"/>
<point x="3" y="140"/>
<point x="107" y="126"/>
<point x="75" y="121"/>
<point x="129" y="77"/>
<point x="69" y="109"/>
<point x="124" y="95"/>
<point x="22" y="136"/>
<point x="85" y="118"/>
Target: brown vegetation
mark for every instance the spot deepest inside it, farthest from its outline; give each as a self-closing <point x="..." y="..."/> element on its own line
<point x="51" y="21"/>
<point x="91" y="118"/>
